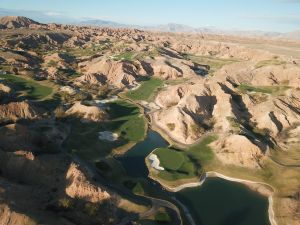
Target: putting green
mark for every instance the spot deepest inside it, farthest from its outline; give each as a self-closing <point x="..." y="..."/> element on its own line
<point x="169" y="159"/>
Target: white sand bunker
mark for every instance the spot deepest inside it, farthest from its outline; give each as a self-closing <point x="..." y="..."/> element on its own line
<point x="108" y="136"/>
<point x="155" y="162"/>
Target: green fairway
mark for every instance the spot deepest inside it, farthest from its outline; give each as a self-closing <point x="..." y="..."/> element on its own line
<point x="125" y="120"/>
<point x="201" y="152"/>
<point x="262" y="89"/>
<point x="146" y="90"/>
<point x="30" y="88"/>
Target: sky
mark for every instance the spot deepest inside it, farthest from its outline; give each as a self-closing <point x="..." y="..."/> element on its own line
<point x="266" y="15"/>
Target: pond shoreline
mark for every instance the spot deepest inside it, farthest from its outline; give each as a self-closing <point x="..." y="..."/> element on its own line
<point x="212" y="174"/>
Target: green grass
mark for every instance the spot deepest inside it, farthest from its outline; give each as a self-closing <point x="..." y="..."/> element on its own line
<point x="243" y="88"/>
<point x="184" y="164"/>
<point x="128" y="56"/>
<point x="89" y="51"/>
<point x="146" y="90"/>
<point x="201" y="152"/>
<point x="269" y="63"/>
<point x="125" y="119"/>
<point x="170" y="159"/>
<point x="214" y="62"/>
<point x="177" y="164"/>
<point x="162" y="217"/>
<point x="30" y="88"/>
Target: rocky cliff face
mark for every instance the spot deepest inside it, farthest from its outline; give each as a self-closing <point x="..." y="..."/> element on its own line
<point x="17" y="22"/>
<point x="15" y="111"/>
<point x="79" y="187"/>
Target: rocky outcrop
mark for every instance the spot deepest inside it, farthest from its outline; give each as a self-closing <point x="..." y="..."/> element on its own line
<point x="17" y="22"/>
<point x="37" y="137"/>
<point x="79" y="187"/>
<point x="118" y="73"/>
<point x="87" y="113"/>
<point x="10" y="217"/>
<point x="171" y="68"/>
<point x="238" y="150"/>
<point x="15" y="111"/>
<point x="59" y="65"/>
<point x="289" y="209"/>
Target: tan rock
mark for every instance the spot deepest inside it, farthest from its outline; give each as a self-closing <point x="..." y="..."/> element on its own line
<point x="87" y="113"/>
<point x="237" y="150"/>
<point x="18" y="110"/>
<point x="80" y="187"/>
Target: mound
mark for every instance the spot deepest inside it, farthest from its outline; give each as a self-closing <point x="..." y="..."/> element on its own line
<point x="120" y="74"/>
<point x="86" y="113"/>
<point x="15" y="111"/>
<point x="17" y="22"/>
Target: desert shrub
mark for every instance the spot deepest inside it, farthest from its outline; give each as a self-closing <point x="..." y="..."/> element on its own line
<point x="171" y="126"/>
<point x="162" y="217"/>
<point x="91" y="209"/>
<point x="196" y="129"/>
<point x="52" y="63"/>
<point x="65" y="203"/>
<point x="59" y="112"/>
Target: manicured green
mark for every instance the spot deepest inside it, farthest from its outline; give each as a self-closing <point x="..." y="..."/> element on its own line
<point x="30" y="88"/>
<point x="170" y="159"/>
<point x="184" y="164"/>
<point x="262" y="89"/>
<point x="177" y="164"/>
<point x="146" y="90"/>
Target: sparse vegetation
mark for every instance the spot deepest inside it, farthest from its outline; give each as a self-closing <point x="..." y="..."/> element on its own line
<point x="171" y="126"/>
<point x="65" y="203"/>
<point x="91" y="209"/>
<point x="127" y="56"/>
<point x="213" y="62"/>
<point x="269" y="63"/>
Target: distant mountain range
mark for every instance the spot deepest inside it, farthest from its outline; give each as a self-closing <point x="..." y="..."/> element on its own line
<point x="51" y="17"/>
<point x="180" y="28"/>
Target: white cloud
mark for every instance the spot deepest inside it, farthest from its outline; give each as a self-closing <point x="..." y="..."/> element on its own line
<point x="52" y="14"/>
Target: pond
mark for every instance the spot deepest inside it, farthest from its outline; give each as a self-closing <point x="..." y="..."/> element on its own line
<point x="216" y="202"/>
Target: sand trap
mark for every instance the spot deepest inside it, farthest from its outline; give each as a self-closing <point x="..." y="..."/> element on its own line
<point x="102" y="103"/>
<point x="108" y="136"/>
<point x="155" y="162"/>
<point x="68" y="90"/>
